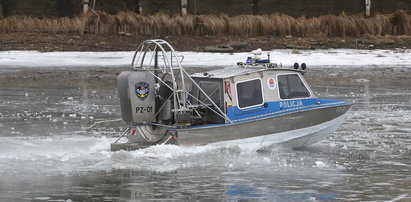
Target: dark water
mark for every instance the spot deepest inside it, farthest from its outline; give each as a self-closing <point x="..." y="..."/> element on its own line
<point x="49" y="153"/>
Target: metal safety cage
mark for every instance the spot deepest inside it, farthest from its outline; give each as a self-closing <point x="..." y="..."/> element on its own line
<point x="159" y="58"/>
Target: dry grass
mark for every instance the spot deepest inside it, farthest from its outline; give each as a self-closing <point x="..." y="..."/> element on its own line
<point x="398" y="23"/>
<point x="30" y="24"/>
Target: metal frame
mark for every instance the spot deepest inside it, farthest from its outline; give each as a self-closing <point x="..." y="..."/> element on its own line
<point x="147" y="58"/>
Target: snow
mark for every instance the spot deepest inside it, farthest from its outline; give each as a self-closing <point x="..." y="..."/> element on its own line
<point x="324" y="57"/>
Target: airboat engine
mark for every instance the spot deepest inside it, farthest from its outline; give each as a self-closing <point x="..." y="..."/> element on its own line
<point x="138" y="106"/>
<point x="137" y="96"/>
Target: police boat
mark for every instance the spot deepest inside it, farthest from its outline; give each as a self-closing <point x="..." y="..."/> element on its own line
<point x="257" y="102"/>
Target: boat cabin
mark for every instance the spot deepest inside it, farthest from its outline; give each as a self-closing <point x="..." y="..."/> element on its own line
<point x="247" y="93"/>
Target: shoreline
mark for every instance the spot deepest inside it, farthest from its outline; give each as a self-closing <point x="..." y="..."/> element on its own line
<point x="50" y="42"/>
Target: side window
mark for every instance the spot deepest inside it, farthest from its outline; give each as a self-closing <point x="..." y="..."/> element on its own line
<point x="213" y="91"/>
<point x="249" y="93"/>
<point x="291" y="86"/>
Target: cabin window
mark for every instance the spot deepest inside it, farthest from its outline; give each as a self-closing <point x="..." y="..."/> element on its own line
<point x="249" y="93"/>
<point x="213" y="91"/>
<point x="291" y="86"/>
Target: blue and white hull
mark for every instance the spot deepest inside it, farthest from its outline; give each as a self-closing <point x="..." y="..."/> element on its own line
<point x="294" y="138"/>
<point x="294" y="128"/>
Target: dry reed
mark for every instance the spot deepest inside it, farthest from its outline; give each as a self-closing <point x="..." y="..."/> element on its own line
<point x="398" y="23"/>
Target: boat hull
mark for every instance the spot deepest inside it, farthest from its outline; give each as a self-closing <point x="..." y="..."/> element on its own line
<point x="293" y="130"/>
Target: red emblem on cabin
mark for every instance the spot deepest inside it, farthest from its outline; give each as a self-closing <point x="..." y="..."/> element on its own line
<point x="271" y="83"/>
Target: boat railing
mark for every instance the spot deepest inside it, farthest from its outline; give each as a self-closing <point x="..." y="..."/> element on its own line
<point x="258" y="65"/>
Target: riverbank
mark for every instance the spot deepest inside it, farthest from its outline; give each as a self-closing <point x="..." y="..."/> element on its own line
<point x="46" y="42"/>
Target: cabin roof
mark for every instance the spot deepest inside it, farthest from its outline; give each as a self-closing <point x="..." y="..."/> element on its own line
<point x="235" y="71"/>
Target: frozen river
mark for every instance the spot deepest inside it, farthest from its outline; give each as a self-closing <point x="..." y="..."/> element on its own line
<point x="49" y="153"/>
